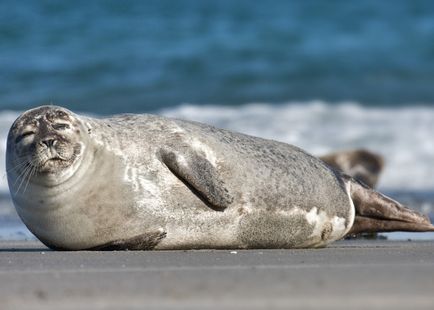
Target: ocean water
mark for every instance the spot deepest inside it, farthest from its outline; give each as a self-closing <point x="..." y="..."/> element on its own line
<point x="323" y="75"/>
<point x="113" y="56"/>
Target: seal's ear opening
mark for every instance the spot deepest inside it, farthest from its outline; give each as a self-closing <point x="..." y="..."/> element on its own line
<point x="88" y="128"/>
<point x="376" y="212"/>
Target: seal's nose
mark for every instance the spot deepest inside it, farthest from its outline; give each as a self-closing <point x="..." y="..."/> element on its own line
<point x="49" y="142"/>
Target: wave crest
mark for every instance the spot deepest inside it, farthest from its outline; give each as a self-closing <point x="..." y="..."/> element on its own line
<point x="404" y="136"/>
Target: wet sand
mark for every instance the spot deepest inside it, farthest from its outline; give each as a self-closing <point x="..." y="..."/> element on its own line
<point x="349" y="274"/>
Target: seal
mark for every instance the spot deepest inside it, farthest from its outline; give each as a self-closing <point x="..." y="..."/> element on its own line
<point x="360" y="164"/>
<point x="145" y="182"/>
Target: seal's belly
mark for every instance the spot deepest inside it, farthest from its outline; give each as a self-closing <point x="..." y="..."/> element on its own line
<point x="295" y="228"/>
<point x="259" y="228"/>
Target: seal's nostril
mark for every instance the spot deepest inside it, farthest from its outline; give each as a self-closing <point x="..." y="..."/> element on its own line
<point x="49" y="142"/>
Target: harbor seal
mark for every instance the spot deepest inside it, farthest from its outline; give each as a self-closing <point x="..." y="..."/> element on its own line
<point x="148" y="182"/>
<point x="360" y="164"/>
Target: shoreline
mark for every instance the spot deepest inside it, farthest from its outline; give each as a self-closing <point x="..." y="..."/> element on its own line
<point x="363" y="273"/>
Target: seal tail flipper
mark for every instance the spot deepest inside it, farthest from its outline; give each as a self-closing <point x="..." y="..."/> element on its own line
<point x="376" y="212"/>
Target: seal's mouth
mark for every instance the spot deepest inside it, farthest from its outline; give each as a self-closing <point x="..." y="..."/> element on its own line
<point x="55" y="157"/>
<point x="53" y="164"/>
<point x="51" y="161"/>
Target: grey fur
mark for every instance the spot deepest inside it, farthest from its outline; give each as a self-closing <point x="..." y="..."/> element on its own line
<point x="199" y="186"/>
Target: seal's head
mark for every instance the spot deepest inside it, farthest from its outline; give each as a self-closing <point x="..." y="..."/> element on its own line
<point x="45" y="141"/>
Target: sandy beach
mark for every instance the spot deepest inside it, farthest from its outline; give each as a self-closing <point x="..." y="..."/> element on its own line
<point x="349" y="274"/>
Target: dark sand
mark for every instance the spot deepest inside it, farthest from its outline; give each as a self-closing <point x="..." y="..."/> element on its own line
<point x="347" y="275"/>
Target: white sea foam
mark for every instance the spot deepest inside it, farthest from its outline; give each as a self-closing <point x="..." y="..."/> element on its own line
<point x="6" y="120"/>
<point x="404" y="136"/>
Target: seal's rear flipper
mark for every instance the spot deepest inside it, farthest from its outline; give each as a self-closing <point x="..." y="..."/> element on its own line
<point x="378" y="213"/>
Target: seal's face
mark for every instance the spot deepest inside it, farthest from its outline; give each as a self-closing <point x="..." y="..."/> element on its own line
<point x="45" y="140"/>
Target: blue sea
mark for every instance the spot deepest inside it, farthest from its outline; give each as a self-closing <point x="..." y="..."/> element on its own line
<point x="323" y="75"/>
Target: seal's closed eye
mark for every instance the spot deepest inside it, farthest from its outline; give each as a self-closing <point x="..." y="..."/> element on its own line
<point x="60" y="126"/>
<point x="24" y="135"/>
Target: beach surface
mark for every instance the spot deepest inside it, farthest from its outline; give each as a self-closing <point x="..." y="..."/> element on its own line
<point x="356" y="274"/>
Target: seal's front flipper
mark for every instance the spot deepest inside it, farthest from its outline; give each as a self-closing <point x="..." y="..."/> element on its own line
<point x="199" y="175"/>
<point x="378" y="213"/>
<point x="146" y="241"/>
